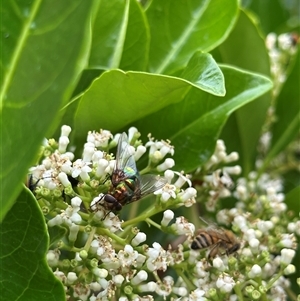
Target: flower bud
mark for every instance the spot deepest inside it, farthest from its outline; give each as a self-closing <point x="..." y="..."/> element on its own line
<point x="168" y="216"/>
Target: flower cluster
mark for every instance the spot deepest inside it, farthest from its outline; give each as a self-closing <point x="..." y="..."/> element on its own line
<point x="281" y="49"/>
<point x="102" y="257"/>
<point x="213" y="179"/>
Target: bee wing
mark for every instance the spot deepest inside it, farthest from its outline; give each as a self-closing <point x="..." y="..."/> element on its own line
<point x="150" y="183"/>
<point x="124" y="157"/>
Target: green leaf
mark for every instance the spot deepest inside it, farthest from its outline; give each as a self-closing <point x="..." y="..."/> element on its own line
<point x="24" y="273"/>
<point x="41" y="62"/>
<point x="241" y="49"/>
<point x="120" y="36"/>
<point x="292" y="199"/>
<point x="137" y="43"/>
<point x="118" y="98"/>
<point x="56" y="233"/>
<point x="194" y="124"/>
<point x="203" y="71"/>
<point x="179" y="28"/>
<point x="273" y="14"/>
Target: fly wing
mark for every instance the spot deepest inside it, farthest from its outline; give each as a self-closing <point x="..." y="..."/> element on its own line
<point x="150" y="183"/>
<point x="147" y="184"/>
<point x="124" y="157"/>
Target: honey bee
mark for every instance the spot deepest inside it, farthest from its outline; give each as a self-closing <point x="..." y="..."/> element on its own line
<point x="218" y="240"/>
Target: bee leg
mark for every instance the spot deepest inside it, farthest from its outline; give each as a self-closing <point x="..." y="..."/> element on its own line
<point x="214" y="251"/>
<point x="233" y="249"/>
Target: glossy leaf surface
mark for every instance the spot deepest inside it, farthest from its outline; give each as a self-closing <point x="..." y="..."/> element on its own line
<point x="177" y="31"/>
<point x="194" y="124"/>
<point x="24" y="273"/>
<point x="41" y="61"/>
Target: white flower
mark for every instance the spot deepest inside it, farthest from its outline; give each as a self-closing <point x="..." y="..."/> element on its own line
<point x="233" y="170"/>
<point x="168" y="163"/>
<point x="201" y="269"/>
<point x="165" y="288"/>
<point x="140" y="260"/>
<point x="234" y="156"/>
<point x="140" y="150"/>
<point x="88" y="152"/>
<point x="76" y="201"/>
<point x="128" y="256"/>
<point x="182" y="226"/>
<point x="188" y="196"/>
<point x="63" y="178"/>
<point x="81" y="291"/>
<point x="168" y="216"/>
<point x="265" y="226"/>
<point x="118" y="279"/>
<point x="288" y="241"/>
<point x="112" y="222"/>
<point x="99" y="139"/>
<point x="74" y="229"/>
<point x="94" y="286"/>
<point x="101" y="167"/>
<point x="225" y="283"/>
<point x="139" y="238"/>
<point x="71" y="278"/>
<point x="97" y="156"/>
<point x="70" y="214"/>
<point x="294" y="227"/>
<point x="197" y="295"/>
<point x="180" y="291"/>
<point x="148" y="287"/>
<point x="219" y="264"/>
<point x="65" y="130"/>
<point x="290" y="269"/>
<point x="139" y="277"/>
<point x="182" y="179"/>
<point x="157" y="258"/>
<point x="166" y="192"/>
<point x="101" y="273"/>
<point x="81" y="168"/>
<point x="255" y="271"/>
<point x="254" y="243"/>
<point x="52" y="258"/>
<point x="63" y="143"/>
<point x="60" y="275"/>
<point x="287" y="256"/>
<point x="132" y="131"/>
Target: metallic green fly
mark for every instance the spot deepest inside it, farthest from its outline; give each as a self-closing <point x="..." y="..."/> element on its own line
<point x="127" y="185"/>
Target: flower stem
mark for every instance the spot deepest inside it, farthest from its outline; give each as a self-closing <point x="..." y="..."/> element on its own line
<point x="151" y="222"/>
<point x="142" y="217"/>
<point x="187" y="281"/>
<point x="273" y="280"/>
<point x="238" y="291"/>
<point x="90" y="239"/>
<point x="113" y="236"/>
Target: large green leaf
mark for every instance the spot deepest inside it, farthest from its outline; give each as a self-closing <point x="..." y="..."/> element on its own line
<point x="194" y="124"/>
<point x="179" y="28"/>
<point x="117" y="98"/>
<point x="24" y="273"/>
<point x="273" y="14"/>
<point x="44" y="49"/>
<point x="120" y="37"/>
<point x="241" y="49"/>
<point x="202" y="71"/>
